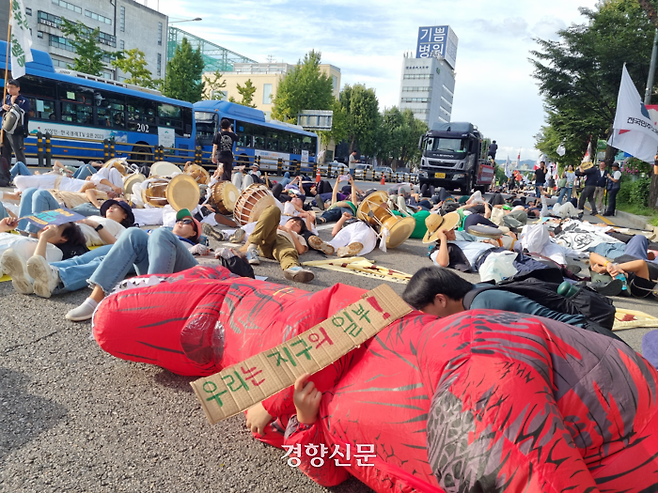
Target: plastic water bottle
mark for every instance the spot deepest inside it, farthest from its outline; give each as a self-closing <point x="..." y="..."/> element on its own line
<point x="567" y="289"/>
<point x="622" y="278"/>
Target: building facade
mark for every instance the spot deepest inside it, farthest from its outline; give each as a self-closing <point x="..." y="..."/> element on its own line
<point x="428" y="77"/>
<point x="266" y="77"/>
<point x="123" y="24"/>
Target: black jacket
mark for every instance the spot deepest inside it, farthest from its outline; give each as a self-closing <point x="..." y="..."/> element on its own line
<point x="591" y="174"/>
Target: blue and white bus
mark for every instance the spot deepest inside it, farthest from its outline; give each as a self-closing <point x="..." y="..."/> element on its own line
<point x="258" y="140"/>
<point x="81" y="111"/>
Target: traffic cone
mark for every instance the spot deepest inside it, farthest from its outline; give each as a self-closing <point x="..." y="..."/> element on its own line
<point x="383" y="182"/>
<point x="318" y="177"/>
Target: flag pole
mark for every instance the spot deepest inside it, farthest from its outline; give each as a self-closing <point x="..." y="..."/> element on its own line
<point x="4" y="91"/>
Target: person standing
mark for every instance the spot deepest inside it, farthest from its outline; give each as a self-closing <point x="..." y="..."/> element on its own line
<point x="222" y="151"/>
<point x="14" y="141"/>
<point x="601" y="182"/>
<point x="352" y="163"/>
<point x="540" y="178"/>
<point x="590" y="175"/>
<point x="493" y="147"/>
<point x="614" y="184"/>
<point x="566" y="184"/>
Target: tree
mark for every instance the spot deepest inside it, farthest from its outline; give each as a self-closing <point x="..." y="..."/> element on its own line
<point x="579" y="74"/>
<point x="362" y="109"/>
<point x="398" y="137"/>
<point x="305" y="87"/>
<point x="133" y="62"/>
<point x="213" y="86"/>
<point x="88" y="55"/>
<point x="338" y="131"/>
<point x="247" y="92"/>
<point x="184" y="71"/>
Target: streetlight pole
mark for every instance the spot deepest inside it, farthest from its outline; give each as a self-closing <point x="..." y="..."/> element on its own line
<point x="652" y="70"/>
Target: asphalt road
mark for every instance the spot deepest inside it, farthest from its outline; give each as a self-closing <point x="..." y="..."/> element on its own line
<point x="75" y="419"/>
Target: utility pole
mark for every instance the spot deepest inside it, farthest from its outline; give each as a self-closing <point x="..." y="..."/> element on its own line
<point x="652" y="70"/>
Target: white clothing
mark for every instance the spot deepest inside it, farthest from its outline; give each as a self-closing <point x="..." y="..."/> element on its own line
<point x="356" y="232"/>
<point x="25" y="247"/>
<point x="92" y="236"/>
<point x="46" y="182"/>
<point x="247" y="181"/>
<point x="236" y="179"/>
<point x="110" y="174"/>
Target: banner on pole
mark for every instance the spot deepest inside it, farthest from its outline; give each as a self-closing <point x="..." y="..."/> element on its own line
<point x="21" y="41"/>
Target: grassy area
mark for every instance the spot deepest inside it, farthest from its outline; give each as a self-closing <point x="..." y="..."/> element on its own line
<point x="640" y="210"/>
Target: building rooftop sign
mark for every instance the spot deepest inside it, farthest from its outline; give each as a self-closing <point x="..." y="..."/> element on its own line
<point x="437" y="42"/>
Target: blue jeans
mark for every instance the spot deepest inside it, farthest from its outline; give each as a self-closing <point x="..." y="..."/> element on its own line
<point x="87" y="209"/>
<point x="564" y="192"/>
<point x="333" y="215"/>
<point x="3" y="211"/>
<point x="161" y="252"/>
<point x="84" y="171"/>
<point x="19" y="169"/>
<point x="75" y="271"/>
<point x="636" y="247"/>
<point x="34" y="200"/>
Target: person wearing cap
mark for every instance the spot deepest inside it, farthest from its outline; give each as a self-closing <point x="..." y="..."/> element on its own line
<point x="162" y="251"/>
<point x="590" y="173"/>
<point x="43" y="278"/>
<point x="613" y="186"/>
<point x="15" y="141"/>
<point x="222" y="151"/>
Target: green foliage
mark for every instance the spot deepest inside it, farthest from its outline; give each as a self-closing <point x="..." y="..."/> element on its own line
<point x="184" y="74"/>
<point x="133" y="62"/>
<point x="305" y="87"/>
<point x="213" y="86"/>
<point x="362" y="110"/>
<point x="501" y="177"/>
<point x="338" y="131"/>
<point x="579" y="74"/>
<point x="634" y="166"/>
<point x="247" y="92"/>
<point x="639" y="192"/>
<point x="88" y="55"/>
<point x="398" y="135"/>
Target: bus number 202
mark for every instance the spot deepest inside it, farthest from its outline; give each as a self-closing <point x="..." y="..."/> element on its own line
<point x="142" y="127"/>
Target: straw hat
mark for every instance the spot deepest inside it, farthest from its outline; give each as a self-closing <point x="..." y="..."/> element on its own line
<point x="435" y="223"/>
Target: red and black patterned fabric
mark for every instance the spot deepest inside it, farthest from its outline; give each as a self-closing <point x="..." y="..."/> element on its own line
<point x="480" y="401"/>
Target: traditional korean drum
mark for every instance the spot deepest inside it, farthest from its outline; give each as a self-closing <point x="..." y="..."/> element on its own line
<point x="181" y="192"/>
<point x="223" y="196"/>
<point x="199" y="173"/>
<point x="129" y="182"/>
<point x="119" y="163"/>
<point x="251" y="204"/>
<point x="375" y="211"/>
<point x="163" y="168"/>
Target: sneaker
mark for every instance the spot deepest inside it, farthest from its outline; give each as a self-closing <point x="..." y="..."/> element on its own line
<point x="211" y="232"/>
<point x="46" y="277"/>
<point x="298" y="274"/>
<point x="612" y="288"/>
<point x="350" y="250"/>
<point x="238" y="236"/>
<point x="83" y="312"/>
<point x="14" y="266"/>
<point x="252" y="256"/>
<point x="319" y="244"/>
<point x="320" y="220"/>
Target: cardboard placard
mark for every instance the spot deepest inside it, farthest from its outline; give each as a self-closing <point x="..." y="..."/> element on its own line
<point x="54" y="217"/>
<point x="240" y="386"/>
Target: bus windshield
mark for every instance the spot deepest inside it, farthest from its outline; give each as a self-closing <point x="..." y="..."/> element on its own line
<point x="442" y="144"/>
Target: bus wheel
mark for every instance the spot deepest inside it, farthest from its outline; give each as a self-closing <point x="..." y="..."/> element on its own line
<point x="141" y="154"/>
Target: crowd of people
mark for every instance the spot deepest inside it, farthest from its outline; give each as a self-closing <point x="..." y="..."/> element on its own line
<point x="511" y="238"/>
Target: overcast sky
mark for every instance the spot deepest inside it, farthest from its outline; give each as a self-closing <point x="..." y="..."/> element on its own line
<point x="366" y="40"/>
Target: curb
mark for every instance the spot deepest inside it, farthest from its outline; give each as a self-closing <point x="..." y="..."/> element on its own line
<point x="634" y="221"/>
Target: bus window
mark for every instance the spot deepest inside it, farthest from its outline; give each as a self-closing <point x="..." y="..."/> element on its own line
<point x="141" y="115"/>
<point x="41" y="94"/>
<point x="259" y="136"/>
<point x="296" y="144"/>
<point x="170" y="116"/>
<point x="41" y="109"/>
<point x="110" y="109"/>
<point x="285" y="144"/>
<point x="307" y="145"/>
<point x="245" y="140"/>
<point x="75" y="93"/>
<point x="77" y="113"/>
<point x="187" y="122"/>
<point x="259" y="142"/>
<point x="272" y="143"/>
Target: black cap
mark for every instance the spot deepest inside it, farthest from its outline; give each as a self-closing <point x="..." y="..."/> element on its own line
<point x="13" y="82"/>
<point x="130" y="217"/>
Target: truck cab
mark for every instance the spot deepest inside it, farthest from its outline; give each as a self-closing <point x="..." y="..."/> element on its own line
<point x="452" y="158"/>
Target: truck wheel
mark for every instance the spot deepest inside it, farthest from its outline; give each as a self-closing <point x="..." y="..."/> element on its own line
<point x="467" y="186"/>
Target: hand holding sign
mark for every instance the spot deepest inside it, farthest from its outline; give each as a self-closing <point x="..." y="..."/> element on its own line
<point x="54" y="217"/>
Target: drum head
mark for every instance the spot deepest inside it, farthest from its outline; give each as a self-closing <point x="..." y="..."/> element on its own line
<point x="117" y="162"/>
<point x="130" y="180"/>
<point x="372" y="204"/>
<point x="199" y="173"/>
<point x="399" y="230"/>
<point x="183" y="192"/>
<point x="163" y="168"/>
<point x="485" y="231"/>
<point x="251" y="203"/>
<point x="154" y="192"/>
<point x="225" y="195"/>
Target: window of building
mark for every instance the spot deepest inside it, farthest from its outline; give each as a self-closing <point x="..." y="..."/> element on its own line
<point x="98" y="17"/>
<point x="28" y="11"/>
<point x="159" y="33"/>
<point x="40" y="34"/>
<point x="418" y="76"/>
<point x="416" y="88"/>
<point x="416" y="100"/>
<point x="159" y="68"/>
<point x="267" y="93"/>
<point x="107" y="39"/>
<point x="122" y="45"/>
<point x="59" y="63"/>
<point x="68" y="6"/>
<point x="48" y="19"/>
<point x="122" y="19"/>
<point x="61" y="43"/>
<point x="334" y="82"/>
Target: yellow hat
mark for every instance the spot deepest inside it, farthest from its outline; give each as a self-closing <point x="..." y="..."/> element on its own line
<point x="435" y="223"/>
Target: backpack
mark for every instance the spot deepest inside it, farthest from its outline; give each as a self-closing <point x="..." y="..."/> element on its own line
<point x="587" y="302"/>
<point x="12" y="119"/>
<point x="237" y="265"/>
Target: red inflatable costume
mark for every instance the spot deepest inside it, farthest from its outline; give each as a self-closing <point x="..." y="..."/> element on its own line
<point x="480" y="401"/>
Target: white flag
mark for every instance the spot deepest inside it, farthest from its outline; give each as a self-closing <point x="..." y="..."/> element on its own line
<point x="21" y="41"/>
<point x="508" y="170"/>
<point x="633" y="129"/>
<point x="561" y="150"/>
